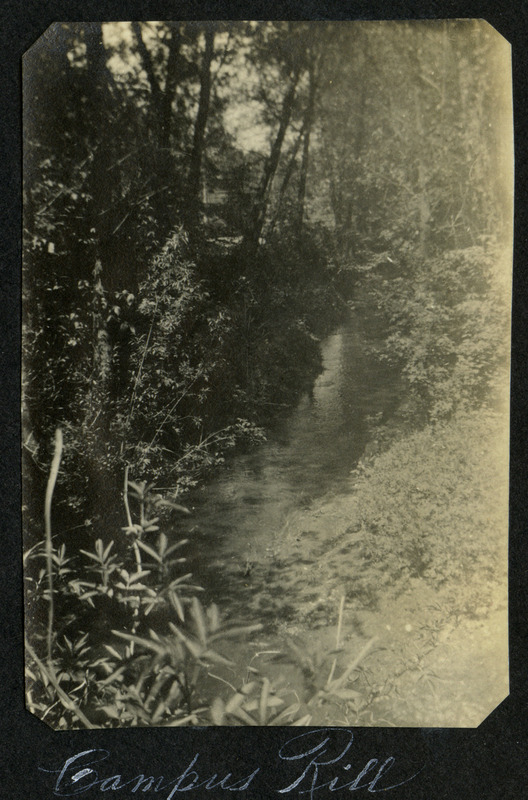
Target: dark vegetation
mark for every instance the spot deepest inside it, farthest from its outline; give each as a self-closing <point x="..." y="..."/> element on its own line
<point x="203" y="203"/>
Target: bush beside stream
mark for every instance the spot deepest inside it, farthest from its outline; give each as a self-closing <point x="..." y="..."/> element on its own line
<point x="409" y="568"/>
<point x="419" y="546"/>
<point x="418" y="549"/>
<point x="189" y="238"/>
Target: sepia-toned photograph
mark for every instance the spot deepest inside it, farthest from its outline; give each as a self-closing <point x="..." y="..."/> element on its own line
<point x="265" y="373"/>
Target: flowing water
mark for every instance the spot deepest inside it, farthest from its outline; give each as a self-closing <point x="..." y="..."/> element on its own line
<point x="240" y="519"/>
<point x="274" y="539"/>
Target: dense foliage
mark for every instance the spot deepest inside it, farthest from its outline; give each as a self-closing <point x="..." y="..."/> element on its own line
<point x="154" y="324"/>
<point x="203" y="203"/>
<point x="448" y="322"/>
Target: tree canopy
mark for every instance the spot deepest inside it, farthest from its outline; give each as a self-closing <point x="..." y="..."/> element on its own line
<point x="200" y="198"/>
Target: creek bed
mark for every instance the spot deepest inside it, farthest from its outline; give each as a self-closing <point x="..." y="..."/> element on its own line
<point x="242" y="520"/>
<point x="275" y="539"/>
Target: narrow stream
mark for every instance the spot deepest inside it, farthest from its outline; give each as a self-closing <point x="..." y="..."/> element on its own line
<point x="238" y="519"/>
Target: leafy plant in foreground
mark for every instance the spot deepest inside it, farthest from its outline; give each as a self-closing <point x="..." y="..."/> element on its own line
<point x="323" y="685"/>
<point x="82" y="670"/>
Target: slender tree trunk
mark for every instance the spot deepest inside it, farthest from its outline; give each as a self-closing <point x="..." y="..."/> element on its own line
<point x="287" y="176"/>
<point x="336" y="201"/>
<point x="301" y="194"/>
<point x="201" y="122"/>
<point x="97" y="65"/>
<point x="171" y="81"/>
<point x="161" y="99"/>
<point x="353" y="221"/>
<point x="146" y="59"/>
<point x="261" y="201"/>
<point x="100" y="191"/>
<point x="291" y="163"/>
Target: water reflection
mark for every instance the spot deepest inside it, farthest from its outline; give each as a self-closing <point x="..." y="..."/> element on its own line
<point x="238" y="518"/>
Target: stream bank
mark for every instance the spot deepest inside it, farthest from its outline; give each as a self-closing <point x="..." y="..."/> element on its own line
<point x="241" y="519"/>
<point x="411" y="535"/>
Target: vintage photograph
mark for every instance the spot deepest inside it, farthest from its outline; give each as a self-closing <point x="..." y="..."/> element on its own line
<point x="265" y="373"/>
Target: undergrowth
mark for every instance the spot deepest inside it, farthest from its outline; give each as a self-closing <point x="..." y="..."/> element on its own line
<point x="432" y="504"/>
<point x="118" y="637"/>
<point x="117" y="634"/>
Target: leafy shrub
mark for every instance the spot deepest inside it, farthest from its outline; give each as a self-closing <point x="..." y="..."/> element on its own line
<point x="152" y="669"/>
<point x="431" y="505"/>
<point x="448" y="327"/>
<point x="176" y="357"/>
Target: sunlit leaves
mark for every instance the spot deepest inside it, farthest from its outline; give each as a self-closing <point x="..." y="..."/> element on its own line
<point x="448" y="357"/>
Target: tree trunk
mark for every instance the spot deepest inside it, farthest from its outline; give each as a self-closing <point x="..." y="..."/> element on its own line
<point x="287" y="176"/>
<point x="252" y="237"/>
<point x="201" y="123"/>
<point x="98" y="68"/>
<point x="149" y="69"/>
<point x="171" y="81"/>
<point x="301" y="194"/>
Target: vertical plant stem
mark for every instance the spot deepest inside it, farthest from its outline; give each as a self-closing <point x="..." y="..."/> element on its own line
<point x="142" y="519"/>
<point x="137" y="554"/>
<point x="135" y="547"/>
<point x="338" y="637"/>
<point x="340" y="622"/>
<point x="340" y="682"/>
<point x="129" y="520"/>
<point x="138" y="376"/>
<point x="54" y="470"/>
<point x="125" y="498"/>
